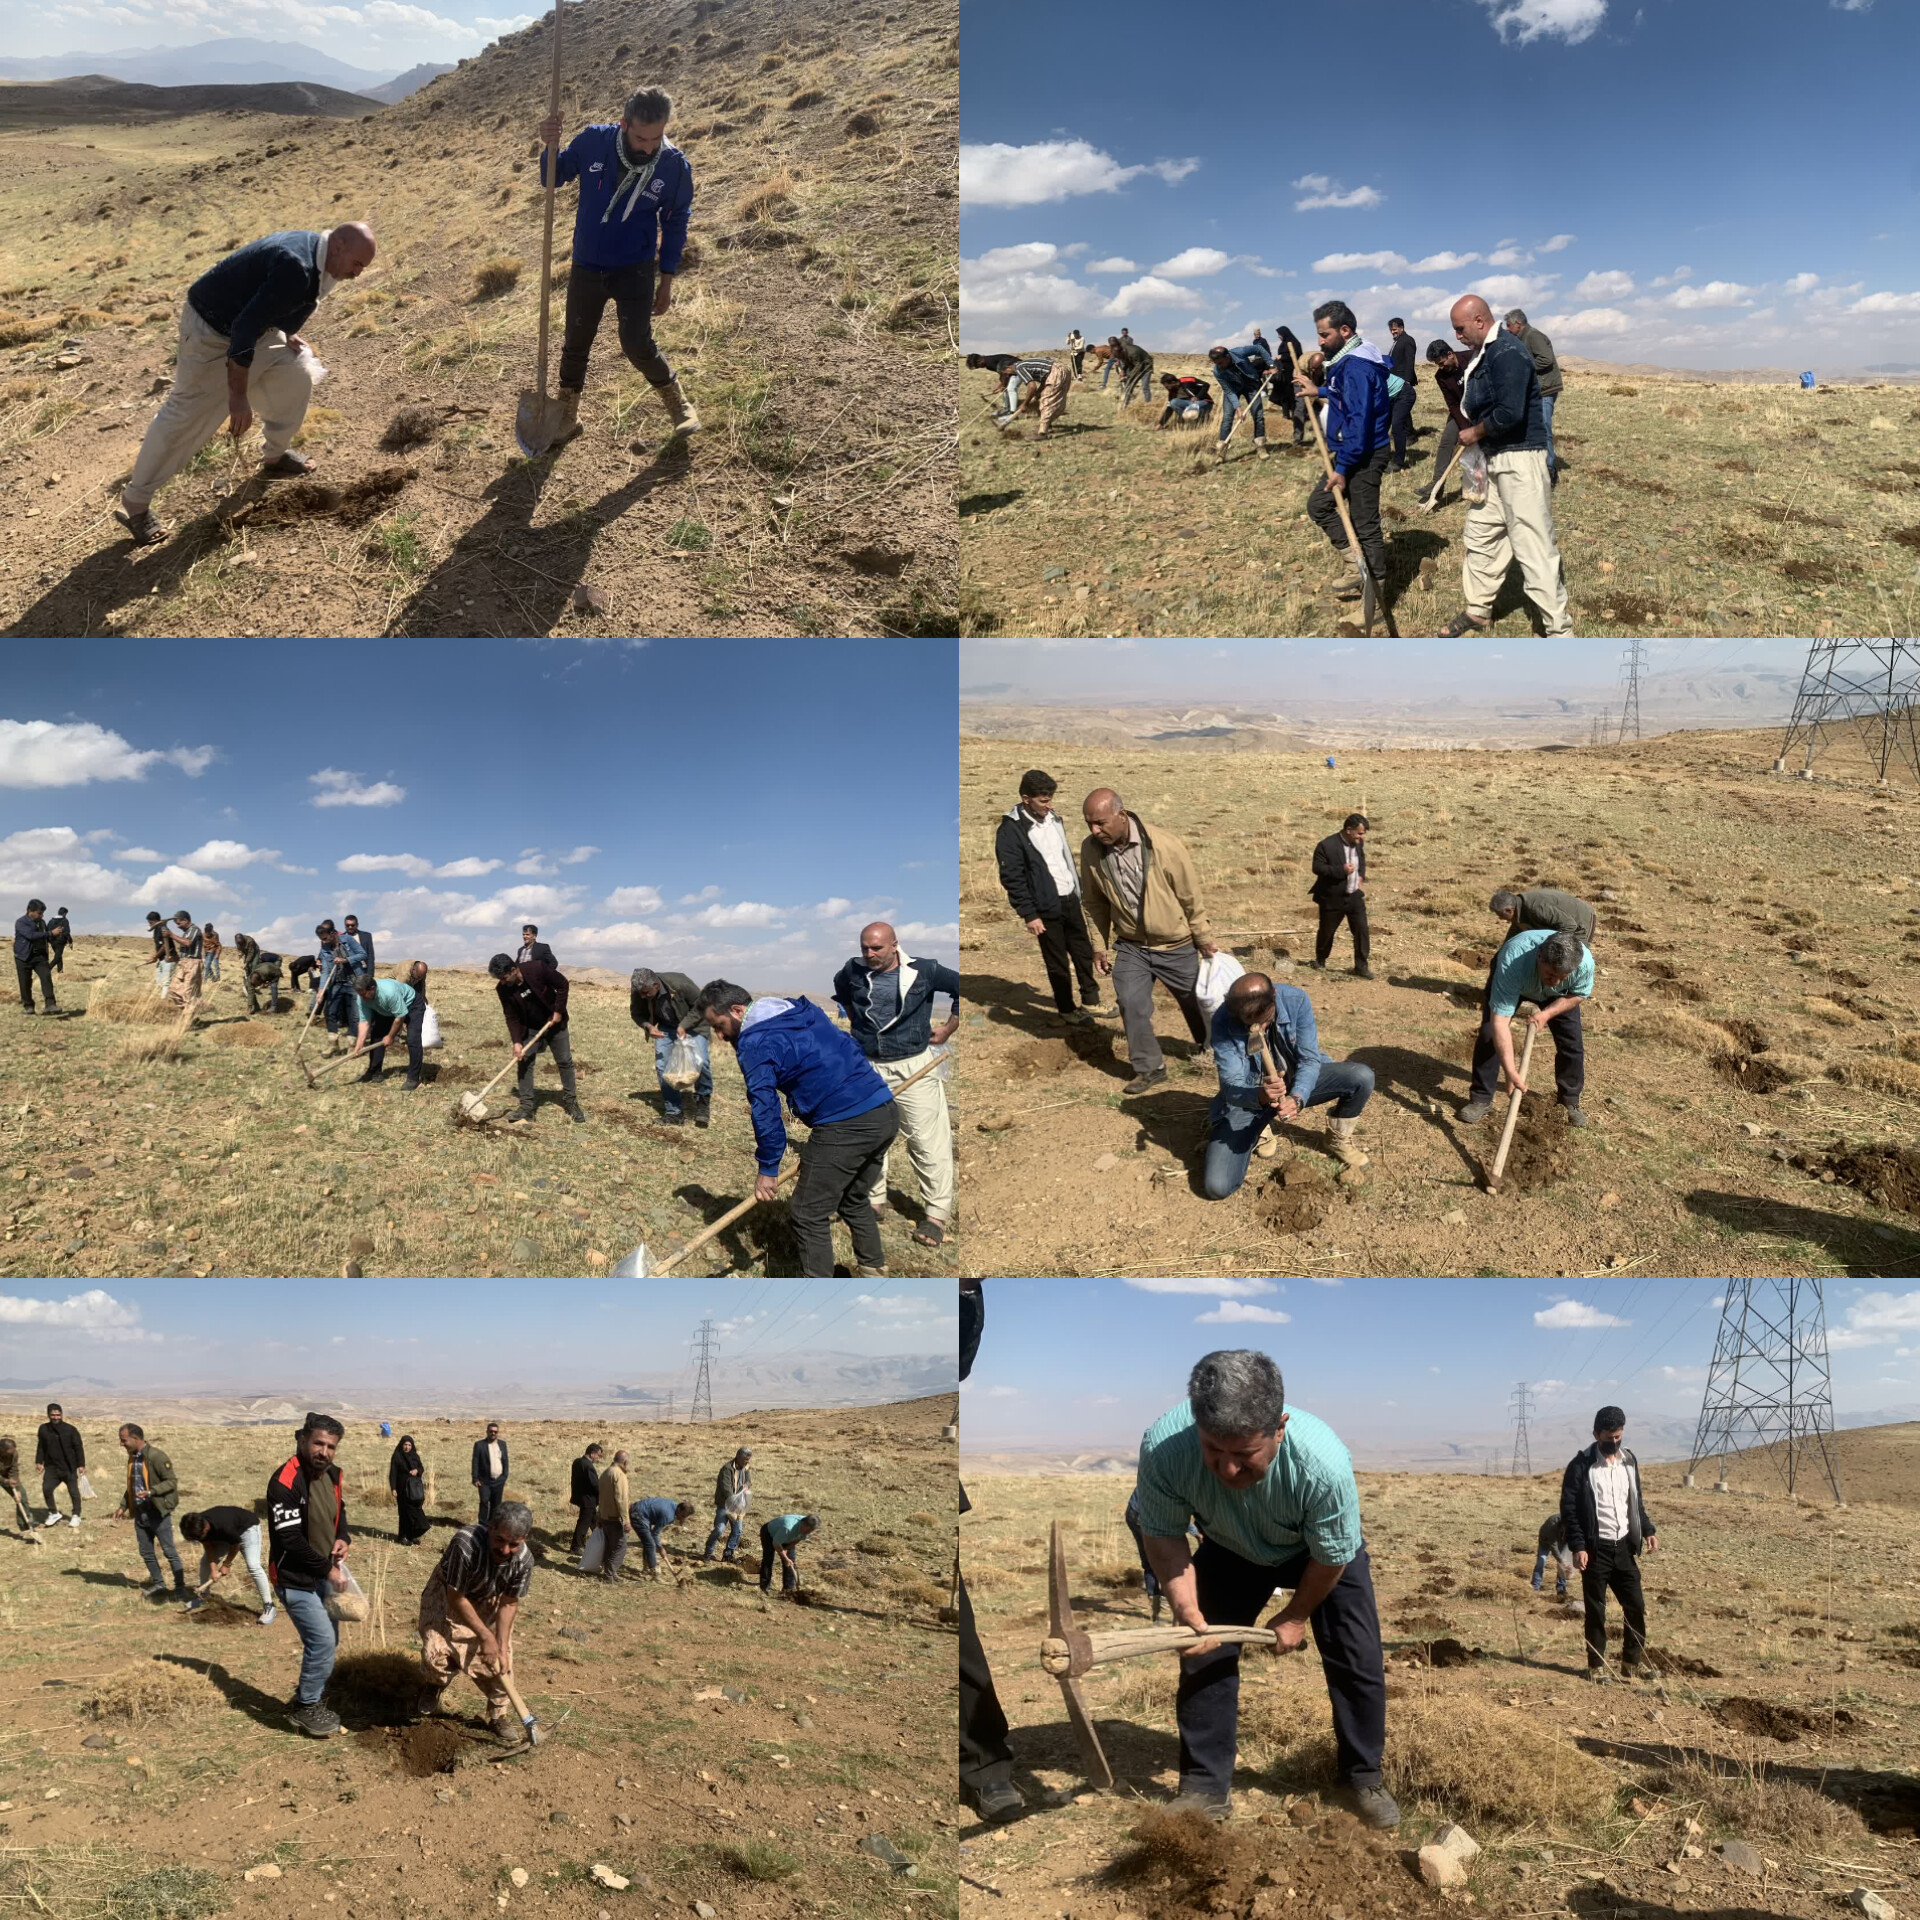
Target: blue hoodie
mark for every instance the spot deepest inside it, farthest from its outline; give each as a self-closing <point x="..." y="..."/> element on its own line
<point x="1359" y="412"/>
<point x="793" y="1048"/>
<point x="606" y="237"/>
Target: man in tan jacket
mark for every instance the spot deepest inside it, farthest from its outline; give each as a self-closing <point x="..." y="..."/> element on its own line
<point x="612" y="1515"/>
<point x="1143" y="896"/>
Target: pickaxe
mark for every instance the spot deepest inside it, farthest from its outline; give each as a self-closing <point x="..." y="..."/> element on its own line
<point x="1067" y="1653"/>
<point x="1513" y="1114"/>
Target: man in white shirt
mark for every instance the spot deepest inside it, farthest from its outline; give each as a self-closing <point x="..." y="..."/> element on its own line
<point x="1607" y="1528"/>
<point x="1043" y="887"/>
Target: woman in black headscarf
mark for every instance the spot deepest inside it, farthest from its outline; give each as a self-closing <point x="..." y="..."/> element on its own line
<point x="1287" y="355"/>
<point x="407" y="1476"/>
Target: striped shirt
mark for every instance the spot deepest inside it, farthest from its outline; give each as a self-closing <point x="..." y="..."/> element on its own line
<point x="1306" y="1500"/>
<point x="468" y="1566"/>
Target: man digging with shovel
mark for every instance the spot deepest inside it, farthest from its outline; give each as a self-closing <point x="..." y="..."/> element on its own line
<point x="1555" y="972"/>
<point x="467" y="1612"/>
<point x="629" y="231"/>
<point x="533" y="995"/>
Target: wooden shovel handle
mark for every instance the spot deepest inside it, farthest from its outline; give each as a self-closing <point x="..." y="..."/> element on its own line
<point x="552" y="172"/>
<point x="1513" y="1110"/>
<point x="511" y="1064"/>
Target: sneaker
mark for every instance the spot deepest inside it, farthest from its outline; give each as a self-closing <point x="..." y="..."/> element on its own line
<point x="317" y="1721"/>
<point x="1077" y="1017"/>
<point x="1142" y="1081"/>
<point x="75" y="1521"/>
<point x="1376" y="1807"/>
<point x="154" y="1590"/>
<point x="1473" y="1112"/>
<point x="575" y="1113"/>
<point x="673" y="1119"/>
<point x="998" y="1803"/>
<point x="1600" y="1676"/>
<point x="197" y="1604"/>
<point x="54" y="1520"/>
<point x="269" y="1617"/>
<point x="1217" y="1807"/>
<point x="1100" y="1010"/>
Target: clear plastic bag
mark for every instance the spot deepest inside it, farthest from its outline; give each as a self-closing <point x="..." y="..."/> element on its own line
<point x="736" y="1504"/>
<point x="594" y="1552"/>
<point x="683" y="1065"/>
<point x="944" y="1071"/>
<point x="1473" y="474"/>
<point x="345" y="1600"/>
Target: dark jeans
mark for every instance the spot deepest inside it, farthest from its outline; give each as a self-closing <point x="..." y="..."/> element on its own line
<point x="49" y="1479"/>
<point x="1066" y="949"/>
<point x="631" y="291"/>
<point x="769" y="1554"/>
<point x="985" y="1758"/>
<point x="342" y="1008"/>
<point x="583" y="1518"/>
<point x="59" y="949"/>
<point x="1569" y="1059"/>
<point x="838" y="1167"/>
<point x="491" y="1493"/>
<point x="1135" y="969"/>
<point x="1231" y="403"/>
<point x="1346" y="1629"/>
<point x="1363" y="502"/>
<point x="1352" y="908"/>
<point x="1611" y="1567"/>
<point x="1399" y="425"/>
<point x="1133" y="1527"/>
<point x="151" y="1526"/>
<point x="27" y="971"/>
<point x="380" y="1027"/>
<point x="561" y="1048"/>
<point x="1235" y="1131"/>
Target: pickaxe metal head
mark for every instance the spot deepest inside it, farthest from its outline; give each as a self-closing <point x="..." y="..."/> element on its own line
<point x="1060" y="1626"/>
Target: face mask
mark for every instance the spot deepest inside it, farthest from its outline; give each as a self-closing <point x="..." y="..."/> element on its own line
<point x="1609" y="1446"/>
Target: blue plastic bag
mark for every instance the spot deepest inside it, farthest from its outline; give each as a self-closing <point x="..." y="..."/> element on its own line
<point x="1806" y="380"/>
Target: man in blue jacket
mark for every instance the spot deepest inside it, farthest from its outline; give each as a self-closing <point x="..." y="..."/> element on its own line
<point x="1358" y="421"/>
<point x="887" y="997"/>
<point x="790" y="1047"/>
<point x="1242" y="373"/>
<point x="1271" y="1069"/>
<point x="629" y="231"/>
<point x="240" y="347"/>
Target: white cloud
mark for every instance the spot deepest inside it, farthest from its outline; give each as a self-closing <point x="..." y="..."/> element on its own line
<point x="1715" y="293"/>
<point x="408" y="863"/>
<point x="927" y="933"/>
<point x="1028" y="257"/>
<point x="1801" y="283"/>
<point x="579" y="854"/>
<point x="633" y="900"/>
<point x="1508" y="289"/>
<point x="340" y="789"/>
<point x="1674" y="278"/>
<point x="999" y="175"/>
<point x="1608" y="285"/>
<point x="95" y="1312"/>
<point x="1885" y="1313"/>
<point x="1509" y="256"/>
<point x="1219" y="1289"/>
<point x="1572" y="1313"/>
<point x="533" y="864"/>
<point x="694" y="899"/>
<point x="62" y="753"/>
<point x="1320" y="191"/>
<point x="55" y="864"/>
<point x="1528" y="20"/>
<point x="1389" y="262"/>
<point x="1002" y="1393"/>
<point x="1114" y="263"/>
<point x="225" y="856"/>
<point x="1559" y="243"/>
<point x="1590" y="320"/>
<point x="621" y="933"/>
<point x="1887" y="303"/>
<point x="1197" y="263"/>
<point x="142" y="856"/>
<point x="744" y="913"/>
<point x="833" y="908"/>
<point x="471" y="867"/>
<point x="1237" y="1313"/>
<point x="508" y="908"/>
<point x="1150" y="291"/>
<point x="168" y="889"/>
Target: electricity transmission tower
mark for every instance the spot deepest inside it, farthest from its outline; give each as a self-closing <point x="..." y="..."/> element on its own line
<point x="1630" y="672"/>
<point x="703" y="1384"/>
<point x="1521" y="1401"/>
<point x="1770" y="1386"/>
<point x="1871" y="686"/>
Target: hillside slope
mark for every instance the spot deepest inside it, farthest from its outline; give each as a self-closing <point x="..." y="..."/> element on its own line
<point x="95" y="97"/>
<point x="810" y="325"/>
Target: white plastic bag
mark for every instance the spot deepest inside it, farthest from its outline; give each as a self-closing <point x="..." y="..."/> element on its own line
<point x="1473" y="474"/>
<point x="345" y="1600"/>
<point x="86" y="1488"/>
<point x="429" y="1029"/>
<point x="1218" y="971"/>
<point x="594" y="1552"/>
<point x="683" y="1065"/>
<point x="736" y="1504"/>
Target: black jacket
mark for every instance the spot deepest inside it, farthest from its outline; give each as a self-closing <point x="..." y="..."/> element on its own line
<point x="1031" y="890"/>
<point x="291" y="1560"/>
<point x="1403" y="360"/>
<point x="542" y="993"/>
<point x="540" y="951"/>
<point x="60" y="1448"/>
<point x="973" y="1321"/>
<point x="586" y="1485"/>
<point x="366" y="942"/>
<point x="480" y="1473"/>
<point x="29" y="937"/>
<point x="1577" y="1504"/>
<point x="60" y="931"/>
<point x="1330" y="869"/>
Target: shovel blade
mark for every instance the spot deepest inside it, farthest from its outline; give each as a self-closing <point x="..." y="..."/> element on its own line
<point x="634" y="1266"/>
<point x="539" y="423"/>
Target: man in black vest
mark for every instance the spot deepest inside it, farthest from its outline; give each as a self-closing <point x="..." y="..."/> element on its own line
<point x="1607" y="1526"/>
<point x="584" y="1497"/>
<point x="1339" y="890"/>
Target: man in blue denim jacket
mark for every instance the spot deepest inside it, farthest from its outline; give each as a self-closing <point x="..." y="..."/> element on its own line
<point x="1272" y="1069"/>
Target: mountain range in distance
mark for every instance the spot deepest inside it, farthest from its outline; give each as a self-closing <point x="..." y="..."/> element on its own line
<point x="234" y="62"/>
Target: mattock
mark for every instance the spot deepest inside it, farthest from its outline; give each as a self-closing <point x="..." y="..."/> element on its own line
<point x="1067" y="1653"/>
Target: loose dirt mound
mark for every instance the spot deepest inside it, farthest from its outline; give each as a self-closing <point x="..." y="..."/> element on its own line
<point x="1886" y="1174"/>
<point x="1681" y="1663"/>
<point x="1430" y="1623"/>
<point x="1755" y="1039"/>
<point x="353" y="504"/>
<point x="1542" y="1149"/>
<point x="217" y="1613"/>
<point x="1039" y="1061"/>
<point x="1294" y="1200"/>
<point x="1448" y="1653"/>
<point x="1477" y="958"/>
<point x="1753" y="1074"/>
<point x="1785" y="1724"/>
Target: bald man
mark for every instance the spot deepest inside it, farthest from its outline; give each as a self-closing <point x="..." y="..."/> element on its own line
<point x="240" y="349"/>
<point x="1143" y="895"/>
<point x="887" y="997"/>
<point x="1506" y="419"/>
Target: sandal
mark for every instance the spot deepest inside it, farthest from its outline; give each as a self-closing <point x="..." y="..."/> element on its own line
<point x="1461" y="624"/>
<point x="930" y="1233"/>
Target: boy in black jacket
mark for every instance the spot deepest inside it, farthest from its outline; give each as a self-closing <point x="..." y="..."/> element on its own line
<point x="1607" y="1525"/>
<point x="584" y="1496"/>
<point x="307" y="1538"/>
<point x="61" y="1456"/>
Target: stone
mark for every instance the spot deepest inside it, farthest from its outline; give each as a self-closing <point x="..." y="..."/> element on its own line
<point x="704" y="1912"/>
<point x="608" y="1878"/>
<point x="1054" y="573"/>
<point x="98" y="1740"/>
<point x="526" y="1253"/>
<point x="266" y="1872"/>
<point x="1865" y="1900"/>
<point x="559" y="1819"/>
<point x="623" y="1819"/>
<point x="590" y="600"/>
<point x="444" y="1795"/>
<point x="360" y="1246"/>
<point x="1106" y="1163"/>
<point x="1454" y="1217"/>
<point x="595" y="1258"/>
<point x="885" y="1852"/>
<point x="1743" y="1858"/>
<point x="1438" y="1868"/>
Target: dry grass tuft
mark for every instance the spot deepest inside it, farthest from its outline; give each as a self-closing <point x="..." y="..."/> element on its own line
<point x="1909" y="1046"/>
<point x="771" y="200"/>
<point x="410" y="427"/>
<point x="1830" y="1011"/>
<point x="1883" y="1074"/>
<point x="801" y="101"/>
<point x="153" y="1689"/>
<point x="134" y="1009"/>
<point x="1749" y="1802"/>
<point x="154" y="1044"/>
<point x="499" y="275"/>
<point x="1676" y="1030"/>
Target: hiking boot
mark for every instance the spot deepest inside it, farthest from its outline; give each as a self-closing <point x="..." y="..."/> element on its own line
<point x="373" y="1073"/>
<point x="1473" y="1112"/>
<point x="1217" y="1807"/>
<point x="316" y="1721"/>
<point x="569" y="398"/>
<point x="1142" y="1081"/>
<point x="1266" y="1146"/>
<point x="574" y="1112"/>
<point x="1342" y="1145"/>
<point x="1600" y="1676"/>
<point x="506" y="1730"/>
<point x="524" y="1118"/>
<point x="1076" y="1017"/>
<point x="1575" y="1118"/>
<point x="1353" y="590"/>
<point x="679" y="408"/>
<point x="673" y="1119"/>
<point x="998" y="1803"/>
<point x="146" y="530"/>
<point x="1260" y="445"/>
<point x="1375" y="1805"/>
<point x="703" y="1114"/>
<point x="289" y="466"/>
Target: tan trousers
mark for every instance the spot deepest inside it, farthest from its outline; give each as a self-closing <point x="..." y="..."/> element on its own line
<point x="449" y="1646"/>
<point x="278" y="389"/>
<point x="1053" y="403"/>
<point x="185" y="984"/>
<point x="1515" y="522"/>
<point x="927" y="1131"/>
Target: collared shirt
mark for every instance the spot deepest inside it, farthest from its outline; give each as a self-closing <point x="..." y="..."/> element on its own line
<point x="1128" y="865"/>
<point x="784" y="1528"/>
<point x="468" y="1567"/>
<point x="1306" y="1500"/>
<point x="391" y="997"/>
<point x="1609" y="1482"/>
<point x="142" y="1487"/>
<point x="1353" y="866"/>
<point x="1516" y="975"/>
<point x="1049" y="840"/>
<point x="494" y="1468"/>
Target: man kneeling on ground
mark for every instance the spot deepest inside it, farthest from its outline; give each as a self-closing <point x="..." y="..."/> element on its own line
<point x="468" y="1608"/>
<point x="1272" y="1069"/>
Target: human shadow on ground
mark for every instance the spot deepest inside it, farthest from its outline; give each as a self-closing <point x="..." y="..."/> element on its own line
<point x="1598" y="1900"/>
<point x="1407" y="549"/>
<point x="533" y="570"/>
<point x="1867" y="1249"/>
<point x="1174" y="1119"/>
<point x="93" y="1579"/>
<point x="1411" y="1080"/>
<point x="978" y="503"/>
<point x="1029" y="1009"/>
<point x="240" y="1694"/>
<point x="115" y="575"/>
<point x="1426" y="983"/>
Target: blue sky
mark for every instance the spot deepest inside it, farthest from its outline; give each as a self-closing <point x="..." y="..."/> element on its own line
<point x="739" y="810"/>
<point x="375" y="34"/>
<point x="1704" y="183"/>
<point x="1090" y="1364"/>
<point x="189" y="1336"/>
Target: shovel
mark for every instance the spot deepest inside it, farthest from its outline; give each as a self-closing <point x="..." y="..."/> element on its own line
<point x="540" y="419"/>
<point x="635" y="1266"/>
<point x="1513" y="1115"/>
<point x="473" y="1106"/>
<point x="1432" y="502"/>
<point x="520" y="1707"/>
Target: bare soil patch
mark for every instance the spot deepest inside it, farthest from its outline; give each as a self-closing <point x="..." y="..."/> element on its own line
<point x="1751" y="1073"/>
<point x="1294" y="1199"/>
<point x="1542" y="1152"/>
<point x="1887" y="1175"/>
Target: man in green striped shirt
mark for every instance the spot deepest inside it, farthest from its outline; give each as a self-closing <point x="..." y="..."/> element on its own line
<point x="1272" y="1493"/>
